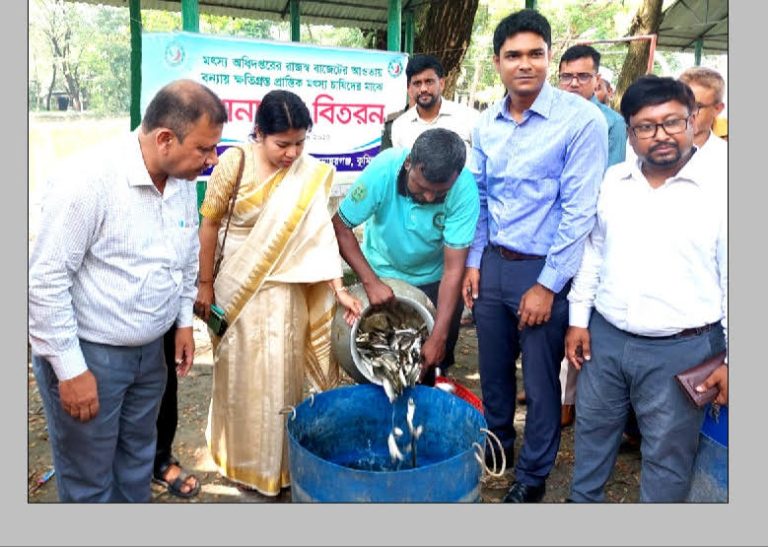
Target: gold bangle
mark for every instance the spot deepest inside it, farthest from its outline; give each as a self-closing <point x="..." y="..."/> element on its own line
<point x="205" y="281"/>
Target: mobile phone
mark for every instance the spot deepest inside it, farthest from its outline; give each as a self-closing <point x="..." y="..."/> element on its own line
<point x="217" y="322"/>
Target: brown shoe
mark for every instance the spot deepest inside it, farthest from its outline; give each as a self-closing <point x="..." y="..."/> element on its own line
<point x="567" y="415"/>
<point x="521" y="397"/>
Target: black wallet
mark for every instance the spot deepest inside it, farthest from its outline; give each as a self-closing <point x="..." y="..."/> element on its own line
<point x="694" y="376"/>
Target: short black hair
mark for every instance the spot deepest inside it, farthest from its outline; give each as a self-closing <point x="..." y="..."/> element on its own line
<point x="526" y="20"/>
<point x="420" y="63"/>
<point x="179" y="105"/>
<point x="440" y="152"/>
<point x="280" y="111"/>
<point x="651" y="90"/>
<point x="579" y="52"/>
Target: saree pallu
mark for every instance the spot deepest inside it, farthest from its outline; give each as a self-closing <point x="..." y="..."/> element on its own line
<point x="280" y="251"/>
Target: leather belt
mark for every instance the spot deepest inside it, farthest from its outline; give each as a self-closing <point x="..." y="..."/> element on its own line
<point x="685" y="333"/>
<point x="509" y="254"/>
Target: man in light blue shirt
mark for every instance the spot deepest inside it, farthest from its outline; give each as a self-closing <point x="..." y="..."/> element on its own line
<point x="579" y="67"/>
<point x="420" y="207"/>
<point x="538" y="157"/>
<point x="579" y="74"/>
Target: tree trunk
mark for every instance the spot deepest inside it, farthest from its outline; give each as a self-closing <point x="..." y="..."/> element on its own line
<point x="475" y="80"/>
<point x="647" y="20"/>
<point x="50" y="89"/>
<point x="444" y="31"/>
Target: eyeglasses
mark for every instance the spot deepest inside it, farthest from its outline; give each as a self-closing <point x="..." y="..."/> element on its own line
<point x="671" y="127"/>
<point x="583" y="77"/>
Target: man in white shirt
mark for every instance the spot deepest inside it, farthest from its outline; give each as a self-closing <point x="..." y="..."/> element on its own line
<point x="114" y="267"/>
<point x="426" y="82"/>
<point x="708" y="87"/>
<point x="650" y="298"/>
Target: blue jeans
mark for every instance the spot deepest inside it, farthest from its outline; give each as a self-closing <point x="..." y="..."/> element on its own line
<point x="627" y="370"/>
<point x="502" y="284"/>
<point x="110" y="457"/>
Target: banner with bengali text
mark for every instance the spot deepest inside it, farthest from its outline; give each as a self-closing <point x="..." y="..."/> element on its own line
<point x="349" y="92"/>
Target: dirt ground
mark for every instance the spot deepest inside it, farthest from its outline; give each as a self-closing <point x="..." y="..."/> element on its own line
<point x="191" y="449"/>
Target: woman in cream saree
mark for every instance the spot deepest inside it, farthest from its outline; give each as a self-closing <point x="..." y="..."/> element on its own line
<point x="276" y="284"/>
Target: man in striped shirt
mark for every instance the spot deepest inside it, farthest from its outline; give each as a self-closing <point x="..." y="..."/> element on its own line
<point x="114" y="267"/>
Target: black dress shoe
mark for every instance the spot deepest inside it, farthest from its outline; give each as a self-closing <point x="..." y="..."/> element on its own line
<point x="524" y="493"/>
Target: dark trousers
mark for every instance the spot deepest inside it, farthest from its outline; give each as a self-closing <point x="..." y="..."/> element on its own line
<point x="502" y="284"/>
<point x="628" y="370"/>
<point x="169" y="411"/>
<point x="432" y="290"/>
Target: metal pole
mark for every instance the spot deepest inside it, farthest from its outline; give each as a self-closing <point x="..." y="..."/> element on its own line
<point x="651" y="54"/>
<point x="134" y="14"/>
<point x="190" y="15"/>
<point x="409" y="31"/>
<point x="295" y="21"/>
<point x="697" y="52"/>
<point x="394" y="22"/>
<point x="530" y="4"/>
<point x="190" y="21"/>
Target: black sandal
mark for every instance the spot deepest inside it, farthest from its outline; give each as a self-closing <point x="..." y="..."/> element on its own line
<point x="175" y="487"/>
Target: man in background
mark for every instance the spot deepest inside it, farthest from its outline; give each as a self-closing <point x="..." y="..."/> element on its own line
<point x="579" y="74"/>
<point x="426" y="82"/>
<point x="708" y="87"/>
<point x="604" y="89"/>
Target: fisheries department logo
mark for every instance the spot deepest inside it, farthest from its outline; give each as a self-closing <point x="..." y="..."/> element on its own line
<point x="359" y="193"/>
<point x="174" y="54"/>
<point x="395" y="68"/>
<point x="438" y="221"/>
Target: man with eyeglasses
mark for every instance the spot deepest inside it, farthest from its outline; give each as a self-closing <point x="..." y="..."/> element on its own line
<point x="579" y="74"/>
<point x="650" y="298"/>
<point x="420" y="209"/>
<point x="708" y="87"/>
<point x="538" y="156"/>
<point x="426" y="82"/>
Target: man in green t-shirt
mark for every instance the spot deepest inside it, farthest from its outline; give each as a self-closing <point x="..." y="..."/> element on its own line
<point x="420" y="207"/>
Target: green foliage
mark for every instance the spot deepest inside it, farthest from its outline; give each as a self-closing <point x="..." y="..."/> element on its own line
<point x="326" y="35"/>
<point x="100" y="42"/>
<point x="159" y="21"/>
<point x="105" y="63"/>
<point x="246" y="28"/>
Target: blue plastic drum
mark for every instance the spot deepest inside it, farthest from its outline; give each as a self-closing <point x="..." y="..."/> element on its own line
<point x="710" y="469"/>
<point x="339" y="453"/>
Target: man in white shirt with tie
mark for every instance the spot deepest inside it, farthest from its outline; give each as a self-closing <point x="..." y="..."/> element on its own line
<point x="114" y="267"/>
<point x="650" y="298"/>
